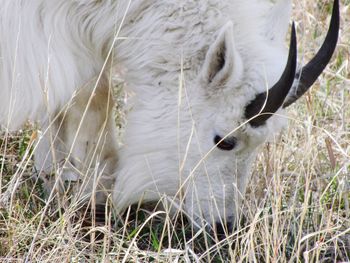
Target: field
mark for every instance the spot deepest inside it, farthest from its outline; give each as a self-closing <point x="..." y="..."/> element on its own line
<point x="297" y="208"/>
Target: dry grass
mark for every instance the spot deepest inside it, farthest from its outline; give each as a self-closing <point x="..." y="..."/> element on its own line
<point x="297" y="208"/>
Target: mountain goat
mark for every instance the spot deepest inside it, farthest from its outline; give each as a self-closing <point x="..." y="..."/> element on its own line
<point x="207" y="77"/>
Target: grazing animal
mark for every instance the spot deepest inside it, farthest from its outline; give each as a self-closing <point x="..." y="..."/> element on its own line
<point x="208" y="76"/>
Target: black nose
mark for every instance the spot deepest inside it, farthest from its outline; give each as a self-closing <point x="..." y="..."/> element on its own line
<point x="223" y="229"/>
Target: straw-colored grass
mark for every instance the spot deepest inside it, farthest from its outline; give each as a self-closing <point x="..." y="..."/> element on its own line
<point x="296" y="209"/>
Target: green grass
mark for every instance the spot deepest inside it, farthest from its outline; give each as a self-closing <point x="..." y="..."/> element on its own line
<point x="296" y="208"/>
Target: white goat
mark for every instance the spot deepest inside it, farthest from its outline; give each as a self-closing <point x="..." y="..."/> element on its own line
<point x="199" y="70"/>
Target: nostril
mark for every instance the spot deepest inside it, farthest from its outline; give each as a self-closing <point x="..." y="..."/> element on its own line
<point x="222" y="230"/>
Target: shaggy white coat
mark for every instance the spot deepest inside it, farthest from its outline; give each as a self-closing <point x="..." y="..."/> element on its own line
<point x="183" y="98"/>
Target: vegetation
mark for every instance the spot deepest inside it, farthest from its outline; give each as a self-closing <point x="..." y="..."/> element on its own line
<point x="296" y="210"/>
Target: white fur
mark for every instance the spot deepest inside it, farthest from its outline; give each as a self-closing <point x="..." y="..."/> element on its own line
<point x="49" y="49"/>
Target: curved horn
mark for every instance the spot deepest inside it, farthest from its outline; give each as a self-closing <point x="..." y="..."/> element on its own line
<point x="263" y="107"/>
<point x="308" y="74"/>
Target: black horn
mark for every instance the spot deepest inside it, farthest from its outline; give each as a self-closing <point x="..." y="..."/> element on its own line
<point x="268" y="102"/>
<point x="308" y="74"/>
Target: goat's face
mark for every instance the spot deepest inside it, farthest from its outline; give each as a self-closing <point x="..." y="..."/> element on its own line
<point x="234" y="112"/>
<point x="224" y="144"/>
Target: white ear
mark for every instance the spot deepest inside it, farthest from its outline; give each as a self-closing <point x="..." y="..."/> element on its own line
<point x="222" y="61"/>
<point x="277" y="21"/>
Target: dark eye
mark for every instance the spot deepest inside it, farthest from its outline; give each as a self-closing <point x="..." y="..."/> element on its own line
<point x="225" y="145"/>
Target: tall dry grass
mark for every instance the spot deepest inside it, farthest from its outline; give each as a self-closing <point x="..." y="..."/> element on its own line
<point x="296" y="209"/>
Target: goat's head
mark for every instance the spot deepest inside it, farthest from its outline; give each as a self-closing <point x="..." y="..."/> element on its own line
<point x="234" y="112"/>
<point x="211" y="135"/>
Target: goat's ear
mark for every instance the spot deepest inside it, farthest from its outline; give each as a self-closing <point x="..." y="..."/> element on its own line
<point x="222" y="61"/>
<point x="277" y="21"/>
